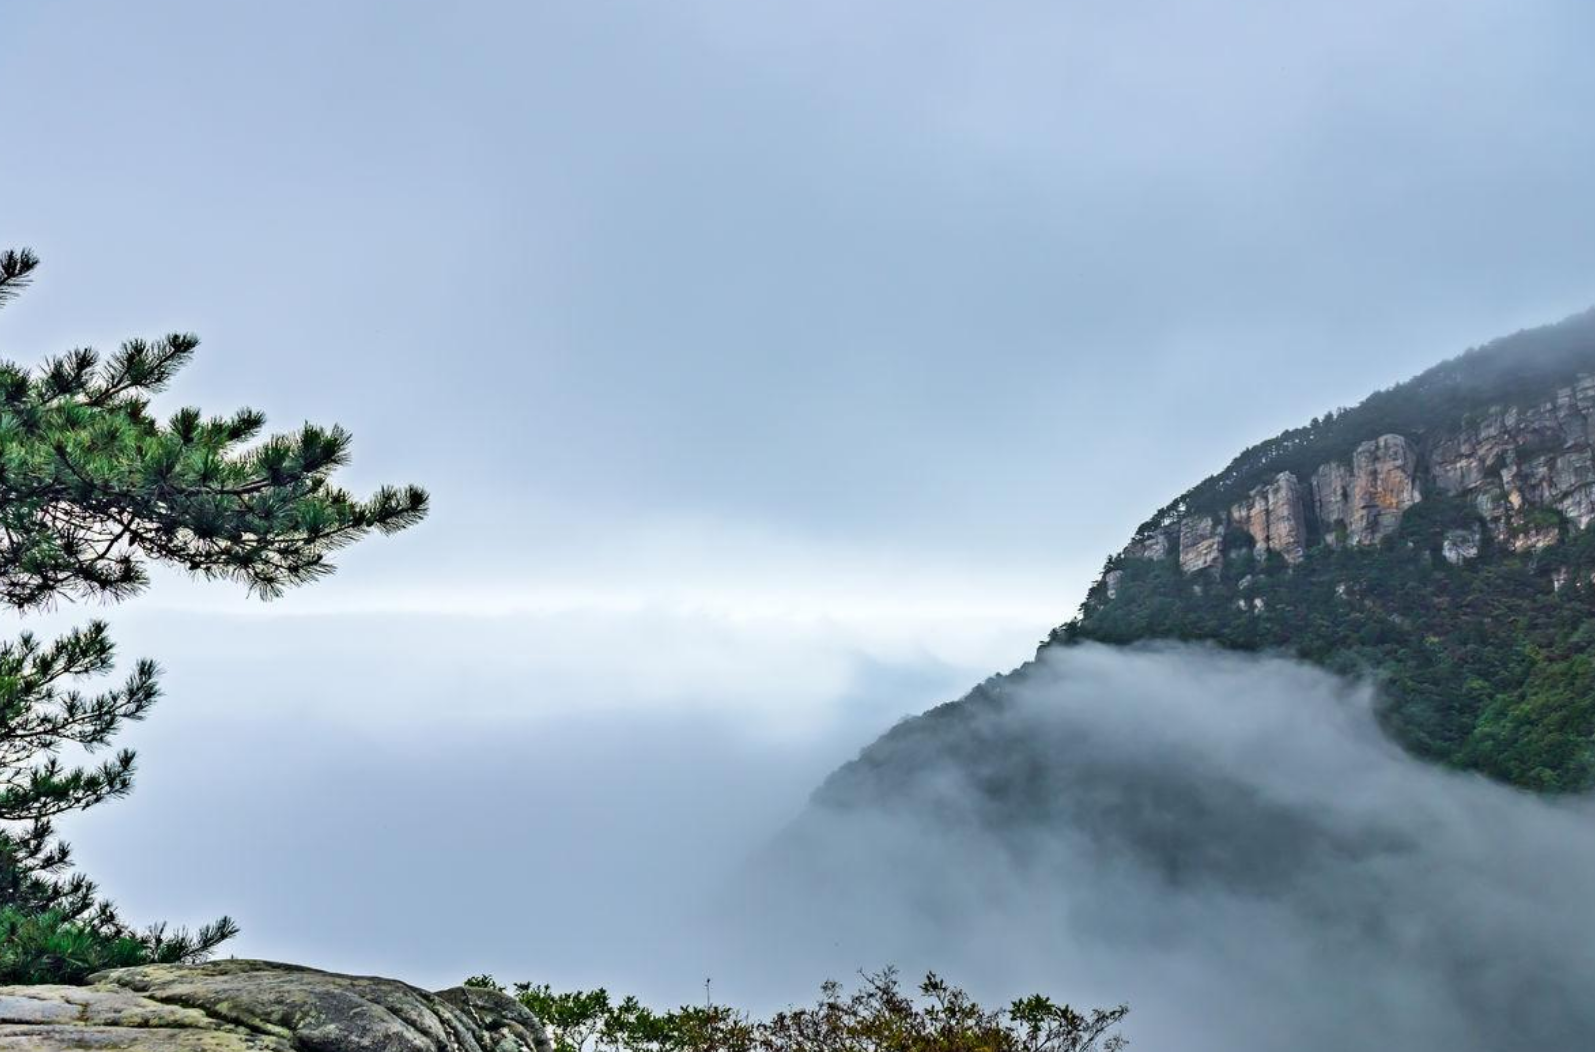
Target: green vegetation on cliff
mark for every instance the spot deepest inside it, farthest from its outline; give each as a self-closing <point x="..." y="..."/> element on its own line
<point x="1483" y="666"/>
<point x="1475" y="615"/>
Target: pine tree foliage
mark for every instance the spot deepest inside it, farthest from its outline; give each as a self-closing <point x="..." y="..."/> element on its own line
<point x="42" y="709"/>
<point x="92" y="487"/>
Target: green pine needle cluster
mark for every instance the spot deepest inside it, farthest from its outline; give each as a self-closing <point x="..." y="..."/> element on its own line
<point x="93" y="486"/>
<point x="49" y="947"/>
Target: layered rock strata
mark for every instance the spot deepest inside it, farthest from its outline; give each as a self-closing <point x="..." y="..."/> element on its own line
<point x="258" y="1006"/>
<point x="1201" y="544"/>
<point x="1529" y="472"/>
<point x="1274" y="516"/>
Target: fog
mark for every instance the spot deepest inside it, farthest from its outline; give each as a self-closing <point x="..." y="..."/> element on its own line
<point x="549" y="796"/>
<point x="1227" y="843"/>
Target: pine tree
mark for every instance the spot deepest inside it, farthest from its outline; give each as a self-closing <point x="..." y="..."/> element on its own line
<point x="93" y="487"/>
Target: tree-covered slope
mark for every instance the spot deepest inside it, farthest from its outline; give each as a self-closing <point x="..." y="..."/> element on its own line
<point x="1436" y="537"/>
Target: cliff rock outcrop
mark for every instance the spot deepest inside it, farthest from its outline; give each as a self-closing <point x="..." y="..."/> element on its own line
<point x="1332" y="501"/>
<point x="1274" y="517"/>
<point x="1362" y="503"/>
<point x="1462" y="505"/>
<point x="1461" y="546"/>
<point x="1384" y="483"/>
<point x="1528" y="472"/>
<point x="1201" y="544"/>
<point x="1513" y="460"/>
<point x="1155" y="545"/>
<point x="258" y="1006"/>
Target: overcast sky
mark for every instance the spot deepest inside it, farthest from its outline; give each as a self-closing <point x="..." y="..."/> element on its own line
<point x="786" y="366"/>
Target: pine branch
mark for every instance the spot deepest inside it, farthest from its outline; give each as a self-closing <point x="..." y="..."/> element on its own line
<point x="92" y="488"/>
<point x="16" y="268"/>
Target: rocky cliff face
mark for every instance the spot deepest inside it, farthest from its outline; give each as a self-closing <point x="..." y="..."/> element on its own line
<point x="1332" y="501"/>
<point x="1529" y="472"/>
<point x="1512" y="461"/>
<point x="257" y="1006"/>
<point x="1361" y="503"/>
<point x="1201" y="544"/>
<point x="1274" y="517"/>
<point x="1384" y="483"/>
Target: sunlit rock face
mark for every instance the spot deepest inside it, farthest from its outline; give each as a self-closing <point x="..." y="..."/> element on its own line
<point x="1384" y="474"/>
<point x="1362" y="502"/>
<point x="1275" y="517"/>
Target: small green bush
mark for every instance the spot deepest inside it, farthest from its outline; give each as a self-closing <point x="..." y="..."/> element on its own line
<point x="878" y="1015"/>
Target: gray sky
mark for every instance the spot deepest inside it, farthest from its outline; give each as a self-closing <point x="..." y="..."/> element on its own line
<point x="981" y="286"/>
<point x="777" y="369"/>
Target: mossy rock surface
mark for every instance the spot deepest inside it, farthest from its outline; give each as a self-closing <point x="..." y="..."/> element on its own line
<point x="260" y="1006"/>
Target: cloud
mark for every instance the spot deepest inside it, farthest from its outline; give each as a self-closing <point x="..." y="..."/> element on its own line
<point x="547" y="795"/>
<point x="1227" y="842"/>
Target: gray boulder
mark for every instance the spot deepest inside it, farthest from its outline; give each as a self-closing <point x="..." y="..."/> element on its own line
<point x="259" y="1006"/>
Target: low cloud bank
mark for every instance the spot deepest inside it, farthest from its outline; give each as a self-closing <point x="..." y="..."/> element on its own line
<point x="547" y="797"/>
<point x="1227" y="842"/>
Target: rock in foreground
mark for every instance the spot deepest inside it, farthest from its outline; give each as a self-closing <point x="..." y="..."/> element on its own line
<point x="258" y="1006"/>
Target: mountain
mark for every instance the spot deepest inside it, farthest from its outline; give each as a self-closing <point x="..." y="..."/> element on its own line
<point x="1172" y="801"/>
<point x="1226" y="841"/>
<point x="1435" y="537"/>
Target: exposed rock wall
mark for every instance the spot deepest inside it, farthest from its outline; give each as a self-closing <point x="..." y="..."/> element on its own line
<point x="257" y="1006"/>
<point x="1529" y="472"/>
<point x="1275" y="518"/>
<point x="1332" y="501"/>
<point x="1201" y="544"/>
<point x="1363" y="502"/>
<point x="1384" y="483"/>
<point x="1514" y="461"/>
<point x="1460" y="546"/>
<point x="1155" y="546"/>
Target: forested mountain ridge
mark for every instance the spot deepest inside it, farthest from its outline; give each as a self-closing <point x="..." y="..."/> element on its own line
<point x="1436" y="536"/>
